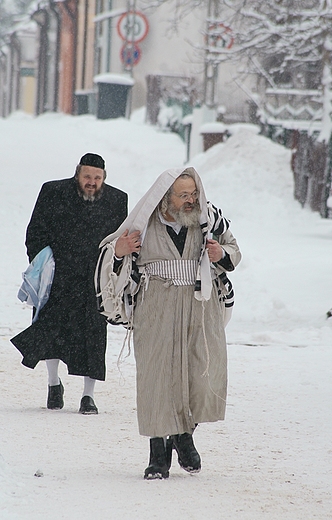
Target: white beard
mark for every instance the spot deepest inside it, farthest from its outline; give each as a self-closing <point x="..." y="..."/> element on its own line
<point x="186" y="219"/>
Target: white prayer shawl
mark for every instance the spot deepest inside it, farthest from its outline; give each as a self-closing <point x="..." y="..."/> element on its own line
<point x="37" y="281"/>
<point x="115" y="291"/>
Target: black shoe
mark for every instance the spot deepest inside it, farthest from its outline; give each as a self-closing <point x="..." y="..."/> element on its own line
<point x="88" y="406"/>
<point x="188" y="456"/>
<point x="158" y="466"/>
<point x="55" y="397"/>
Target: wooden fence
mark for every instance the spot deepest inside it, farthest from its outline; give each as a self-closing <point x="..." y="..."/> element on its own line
<point x="311" y="165"/>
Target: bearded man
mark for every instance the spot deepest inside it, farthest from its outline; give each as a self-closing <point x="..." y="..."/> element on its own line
<point x="166" y="262"/>
<point x="71" y="216"/>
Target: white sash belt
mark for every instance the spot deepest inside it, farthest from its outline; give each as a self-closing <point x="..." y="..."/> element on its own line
<point x="181" y="272"/>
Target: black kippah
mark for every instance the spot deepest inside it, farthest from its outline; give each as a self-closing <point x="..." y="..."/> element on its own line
<point x="92" y="159"/>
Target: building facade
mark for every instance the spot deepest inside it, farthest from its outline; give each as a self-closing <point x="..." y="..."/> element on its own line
<point x="76" y="41"/>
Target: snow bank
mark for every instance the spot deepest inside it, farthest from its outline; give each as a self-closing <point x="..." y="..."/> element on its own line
<point x="271" y="458"/>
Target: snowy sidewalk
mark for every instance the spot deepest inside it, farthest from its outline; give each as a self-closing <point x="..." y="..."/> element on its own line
<point x="271" y="459"/>
<point x="267" y="460"/>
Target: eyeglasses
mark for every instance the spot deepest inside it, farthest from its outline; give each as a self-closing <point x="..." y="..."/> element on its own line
<point x="186" y="196"/>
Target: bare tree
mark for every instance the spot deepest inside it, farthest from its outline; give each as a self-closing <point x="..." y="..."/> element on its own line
<point x="294" y="49"/>
<point x="181" y="7"/>
<point x="10" y="12"/>
<point x="5" y="18"/>
<point x="282" y="42"/>
<point x="287" y="42"/>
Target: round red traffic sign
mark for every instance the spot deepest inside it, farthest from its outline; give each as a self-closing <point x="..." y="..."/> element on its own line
<point x="219" y="36"/>
<point x="130" y="54"/>
<point x="133" y="26"/>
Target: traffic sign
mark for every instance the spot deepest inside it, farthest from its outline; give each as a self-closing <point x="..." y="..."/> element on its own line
<point x="133" y="26"/>
<point x="219" y="36"/>
<point x="130" y="55"/>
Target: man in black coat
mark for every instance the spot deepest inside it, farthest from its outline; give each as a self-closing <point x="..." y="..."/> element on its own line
<point x="72" y="216"/>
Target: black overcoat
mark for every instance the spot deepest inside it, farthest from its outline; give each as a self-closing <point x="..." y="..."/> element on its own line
<point x="69" y="327"/>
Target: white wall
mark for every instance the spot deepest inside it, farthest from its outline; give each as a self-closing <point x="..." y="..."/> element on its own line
<point x="167" y="52"/>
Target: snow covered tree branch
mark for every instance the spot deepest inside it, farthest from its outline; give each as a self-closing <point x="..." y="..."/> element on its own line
<point x="283" y="42"/>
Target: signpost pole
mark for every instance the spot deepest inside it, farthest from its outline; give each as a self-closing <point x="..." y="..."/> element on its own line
<point x="128" y="65"/>
<point x="132" y="28"/>
<point x="211" y="63"/>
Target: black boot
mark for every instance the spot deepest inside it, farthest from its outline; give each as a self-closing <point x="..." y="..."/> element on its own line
<point x="158" y="467"/>
<point x="55" y="397"/>
<point x="188" y="456"/>
<point x="169" y="451"/>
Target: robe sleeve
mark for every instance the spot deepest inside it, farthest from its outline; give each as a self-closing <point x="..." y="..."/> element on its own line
<point x="38" y="230"/>
<point x="231" y="248"/>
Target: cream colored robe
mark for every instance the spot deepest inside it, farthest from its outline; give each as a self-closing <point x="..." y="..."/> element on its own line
<point x="170" y="349"/>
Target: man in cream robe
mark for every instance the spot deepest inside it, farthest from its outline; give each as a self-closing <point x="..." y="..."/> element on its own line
<point x="179" y="315"/>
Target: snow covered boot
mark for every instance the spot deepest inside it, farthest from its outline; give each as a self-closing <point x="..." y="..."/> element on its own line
<point x="188" y="456"/>
<point x="55" y="397"/>
<point x="158" y="466"/>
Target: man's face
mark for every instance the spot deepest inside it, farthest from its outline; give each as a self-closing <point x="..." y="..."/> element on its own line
<point x="90" y="180"/>
<point x="183" y="205"/>
<point x="184" y="194"/>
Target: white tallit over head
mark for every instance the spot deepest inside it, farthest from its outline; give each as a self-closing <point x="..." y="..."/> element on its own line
<point x="138" y="219"/>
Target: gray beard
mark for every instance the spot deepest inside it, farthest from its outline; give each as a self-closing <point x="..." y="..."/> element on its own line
<point x="188" y="220"/>
<point x="91" y="198"/>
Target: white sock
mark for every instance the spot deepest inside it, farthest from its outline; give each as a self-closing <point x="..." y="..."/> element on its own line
<point x="89" y="386"/>
<point x="52" y="368"/>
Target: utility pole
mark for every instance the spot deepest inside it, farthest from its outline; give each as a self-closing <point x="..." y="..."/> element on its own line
<point x="211" y="60"/>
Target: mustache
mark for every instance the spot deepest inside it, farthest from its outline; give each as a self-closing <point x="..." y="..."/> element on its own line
<point x="192" y="205"/>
